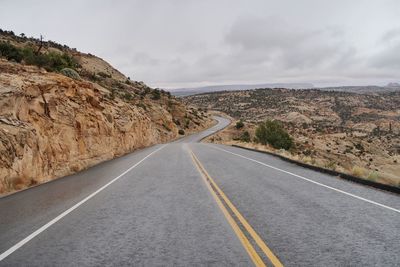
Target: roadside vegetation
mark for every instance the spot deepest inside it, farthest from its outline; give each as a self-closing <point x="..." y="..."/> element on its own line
<point x="51" y="61"/>
<point x="239" y="124"/>
<point x="272" y="133"/>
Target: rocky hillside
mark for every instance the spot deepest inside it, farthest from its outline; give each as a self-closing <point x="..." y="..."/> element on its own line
<point x="52" y="125"/>
<point x="349" y="132"/>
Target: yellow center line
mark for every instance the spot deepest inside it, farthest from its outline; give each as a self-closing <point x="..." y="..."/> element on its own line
<point x="249" y="248"/>
<point x="242" y="237"/>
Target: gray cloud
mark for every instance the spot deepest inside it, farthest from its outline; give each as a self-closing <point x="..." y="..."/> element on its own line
<point x="388" y="58"/>
<point x="286" y="45"/>
<point x="391" y="35"/>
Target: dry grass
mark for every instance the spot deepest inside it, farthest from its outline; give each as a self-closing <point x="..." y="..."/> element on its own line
<point x="373" y="176"/>
<point x="359" y="171"/>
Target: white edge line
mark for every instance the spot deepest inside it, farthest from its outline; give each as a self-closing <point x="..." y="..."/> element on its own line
<point x="59" y="217"/>
<point x="311" y="181"/>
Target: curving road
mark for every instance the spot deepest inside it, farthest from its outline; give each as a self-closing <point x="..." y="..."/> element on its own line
<point x="187" y="203"/>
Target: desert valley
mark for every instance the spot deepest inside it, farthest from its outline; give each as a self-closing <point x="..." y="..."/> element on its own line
<point x="355" y="133"/>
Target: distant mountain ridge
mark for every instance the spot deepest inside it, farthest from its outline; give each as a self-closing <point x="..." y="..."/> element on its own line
<point x="231" y="87"/>
<point x="361" y="89"/>
<point x="393" y="85"/>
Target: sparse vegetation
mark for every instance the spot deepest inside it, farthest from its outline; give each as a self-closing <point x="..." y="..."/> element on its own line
<point x="181" y="132"/>
<point x="347" y="128"/>
<point x="10" y="52"/>
<point x="127" y="96"/>
<point x="51" y="61"/>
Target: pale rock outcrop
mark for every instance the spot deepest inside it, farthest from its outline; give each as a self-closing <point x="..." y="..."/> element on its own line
<point x="52" y="126"/>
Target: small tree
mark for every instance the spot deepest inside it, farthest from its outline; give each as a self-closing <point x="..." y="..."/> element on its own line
<point x="272" y="132"/>
<point x="40" y="45"/>
<point x="245" y="137"/>
<point x="239" y="124"/>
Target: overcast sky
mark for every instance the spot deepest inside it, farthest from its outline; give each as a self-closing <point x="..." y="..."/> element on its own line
<point x="181" y="43"/>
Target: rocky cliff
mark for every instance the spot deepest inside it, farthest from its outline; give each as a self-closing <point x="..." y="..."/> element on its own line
<point x="52" y="125"/>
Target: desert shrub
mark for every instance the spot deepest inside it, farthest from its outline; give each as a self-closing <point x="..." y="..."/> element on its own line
<point x="142" y="105"/>
<point x="307" y="159"/>
<point x="127" y="96"/>
<point x="51" y="61"/>
<point x="146" y="90"/>
<point x="272" y="132"/>
<point x="358" y="171"/>
<point x="177" y="122"/>
<point x="330" y="165"/>
<point x="359" y="146"/>
<point x="70" y="73"/>
<point x="245" y="137"/>
<point x="91" y="76"/>
<point x="10" y="52"/>
<point x="373" y="176"/>
<point x="187" y="123"/>
<point x="239" y="124"/>
<point x="103" y="74"/>
<point x="155" y="94"/>
<point x="181" y="132"/>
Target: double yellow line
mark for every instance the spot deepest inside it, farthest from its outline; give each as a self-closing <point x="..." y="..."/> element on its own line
<point x="221" y="198"/>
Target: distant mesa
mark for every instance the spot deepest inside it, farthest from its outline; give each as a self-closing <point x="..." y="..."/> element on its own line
<point x="393" y="85"/>
<point x="234" y="87"/>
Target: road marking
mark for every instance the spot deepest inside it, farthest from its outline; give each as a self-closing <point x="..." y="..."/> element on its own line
<point x="311" y="181"/>
<point x="242" y="237"/>
<point x="65" y="213"/>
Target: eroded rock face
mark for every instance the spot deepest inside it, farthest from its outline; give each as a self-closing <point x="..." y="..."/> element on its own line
<point x="51" y="125"/>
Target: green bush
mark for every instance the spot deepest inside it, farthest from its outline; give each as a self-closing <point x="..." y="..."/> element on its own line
<point x="239" y="124"/>
<point x="187" y="123"/>
<point x="51" y="61"/>
<point x="10" y="52"/>
<point x="127" y="96"/>
<point x="272" y="132"/>
<point x="156" y="94"/>
<point x="181" y="132"/>
<point x="70" y="73"/>
<point x="245" y="137"/>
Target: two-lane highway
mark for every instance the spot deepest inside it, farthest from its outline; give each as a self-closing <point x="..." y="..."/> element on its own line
<point x="187" y="203"/>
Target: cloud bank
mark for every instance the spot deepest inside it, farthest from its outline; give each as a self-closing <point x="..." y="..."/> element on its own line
<point x="180" y="43"/>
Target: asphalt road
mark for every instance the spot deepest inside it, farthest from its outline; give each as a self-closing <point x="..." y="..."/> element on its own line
<point x="161" y="206"/>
